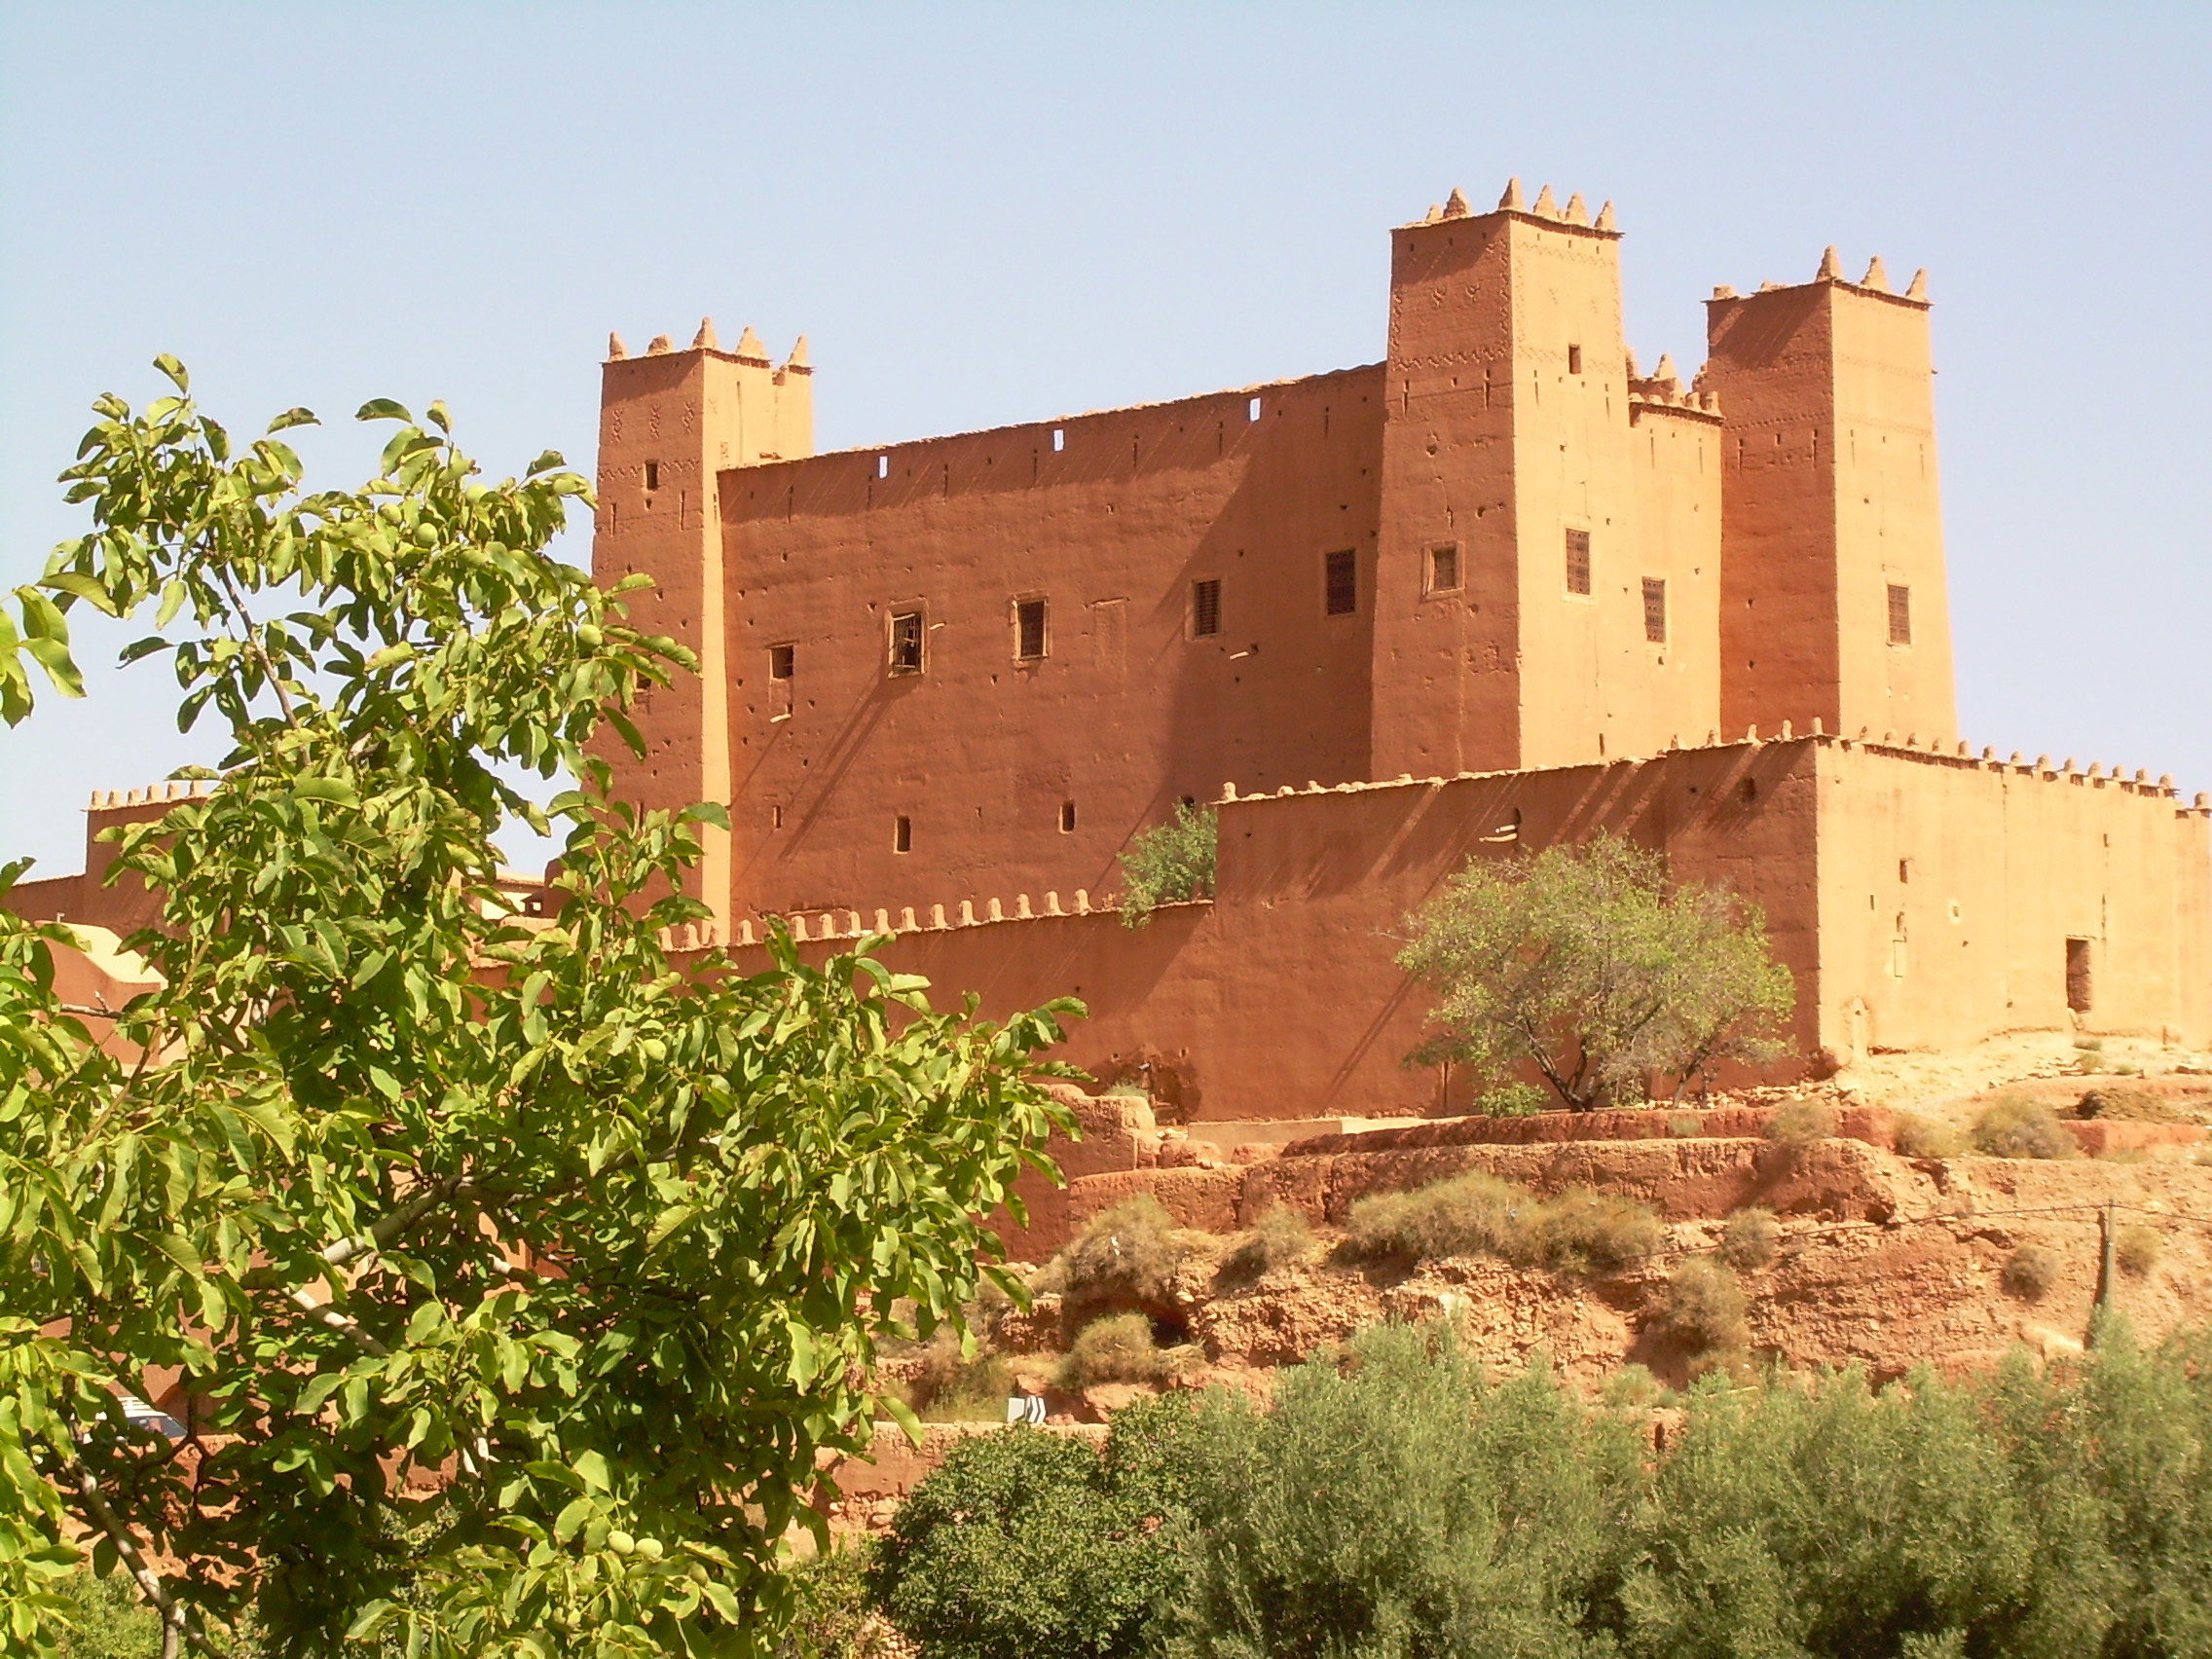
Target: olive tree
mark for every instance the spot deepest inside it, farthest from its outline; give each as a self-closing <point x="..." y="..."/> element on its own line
<point x="512" y="1269"/>
<point x="1586" y="963"/>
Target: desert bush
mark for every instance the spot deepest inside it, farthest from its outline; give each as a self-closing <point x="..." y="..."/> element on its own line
<point x="1514" y="1100"/>
<point x="2015" y="1126"/>
<point x="1587" y="965"/>
<point x="830" y="1615"/>
<point x="1119" y="1348"/>
<point x="1582" y="1230"/>
<point x="1397" y="1504"/>
<point x="953" y="1388"/>
<point x="1685" y="1126"/>
<point x="1750" y="1239"/>
<point x="2131" y="1102"/>
<point x="1632" y="1387"/>
<point x="1800" y="1121"/>
<point x="2136" y="1249"/>
<point x="2030" y="1271"/>
<point x="1129" y="1252"/>
<point x="1169" y="864"/>
<point x="1279" y="1238"/>
<point x="1026" y="1543"/>
<point x="1701" y="1308"/>
<point x="1928" y="1138"/>
<point x="1481" y="1215"/>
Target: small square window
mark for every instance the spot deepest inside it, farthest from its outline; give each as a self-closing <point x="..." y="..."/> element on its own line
<point x="1575" y="359"/>
<point x="1577" y="561"/>
<point x="1901" y="614"/>
<point x="653" y="475"/>
<point x="1341" y="584"/>
<point x="1067" y="817"/>
<point x="780" y="661"/>
<point x="1206" y="608"/>
<point x="1444" y="567"/>
<point x="901" y="833"/>
<point x="1029" y="629"/>
<point x="1655" y="609"/>
<point x="906" y="641"/>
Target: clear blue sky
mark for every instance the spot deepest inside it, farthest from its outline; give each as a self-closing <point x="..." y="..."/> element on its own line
<point x="987" y="214"/>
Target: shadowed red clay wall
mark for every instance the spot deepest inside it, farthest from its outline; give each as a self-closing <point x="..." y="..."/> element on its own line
<point x="1282" y="998"/>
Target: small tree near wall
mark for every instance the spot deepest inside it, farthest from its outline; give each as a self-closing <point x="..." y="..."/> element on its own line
<point x="1585" y="963"/>
<point x="1170" y="863"/>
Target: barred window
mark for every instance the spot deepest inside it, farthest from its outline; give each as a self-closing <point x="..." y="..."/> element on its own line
<point x="1206" y="608"/>
<point x="1655" y="609"/>
<point x="1340" y="595"/>
<point x="1029" y="629"/>
<point x="1577" y="561"/>
<point x="1901" y="614"/>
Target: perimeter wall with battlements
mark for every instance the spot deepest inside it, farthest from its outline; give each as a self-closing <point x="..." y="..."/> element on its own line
<point x="1919" y="898"/>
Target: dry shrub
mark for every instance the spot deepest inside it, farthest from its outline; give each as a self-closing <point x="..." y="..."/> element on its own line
<point x="1127" y="1252"/>
<point x="1928" y="1138"/>
<point x="951" y="1388"/>
<point x="1703" y="1309"/>
<point x="1119" y="1348"/>
<point x="1749" y="1239"/>
<point x="1481" y="1215"/>
<point x="2030" y="1271"/>
<point x="1800" y="1121"/>
<point x="1279" y="1238"/>
<point x="1632" y="1387"/>
<point x="1582" y="1230"/>
<point x="2016" y="1125"/>
<point x="2136" y="1249"/>
<point x="1685" y="1126"/>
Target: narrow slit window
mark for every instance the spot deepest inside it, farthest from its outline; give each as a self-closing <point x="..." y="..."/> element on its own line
<point x="901" y="833"/>
<point x="653" y="476"/>
<point x="2080" y="981"/>
<point x="1577" y="561"/>
<point x="1252" y="410"/>
<point x="1029" y="629"/>
<point x="883" y="466"/>
<point x="1901" y="614"/>
<point x="1575" y="359"/>
<point x="1341" y="584"/>
<point x="780" y="659"/>
<point x="1655" y="609"/>
<point x="1060" y="439"/>
<point x="1206" y="608"/>
<point x="1067" y="817"/>
<point x="906" y="641"/>
<point x="1444" y="567"/>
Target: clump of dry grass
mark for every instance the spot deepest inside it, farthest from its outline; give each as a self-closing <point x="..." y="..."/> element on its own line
<point x="1749" y="1239"/>
<point x="1120" y="1348"/>
<point x="1481" y="1215"/>
<point x="2030" y="1271"/>
<point x="1928" y="1138"/>
<point x="1279" y="1238"/>
<point x="1703" y="1309"/>
<point x="1127" y="1253"/>
<point x="952" y="1388"/>
<point x="2017" y="1126"/>
<point x="1798" y="1122"/>
<point x="2137" y="1250"/>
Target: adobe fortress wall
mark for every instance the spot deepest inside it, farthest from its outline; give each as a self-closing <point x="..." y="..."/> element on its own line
<point x="1282" y="998"/>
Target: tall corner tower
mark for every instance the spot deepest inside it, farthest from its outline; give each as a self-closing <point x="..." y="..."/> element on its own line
<point x="1834" y="605"/>
<point x="670" y="422"/>
<point x="1505" y="459"/>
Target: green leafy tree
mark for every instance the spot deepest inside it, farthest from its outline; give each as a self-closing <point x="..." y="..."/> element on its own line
<point x="1028" y="1543"/>
<point x="1585" y="963"/>
<point x="1170" y="863"/>
<point x="513" y="1271"/>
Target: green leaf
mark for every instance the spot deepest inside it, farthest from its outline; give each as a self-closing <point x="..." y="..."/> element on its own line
<point x="382" y="409"/>
<point x="175" y="370"/>
<point x="291" y="418"/>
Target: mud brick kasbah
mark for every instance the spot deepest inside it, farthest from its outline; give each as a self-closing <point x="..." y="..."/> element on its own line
<point x="1501" y="590"/>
